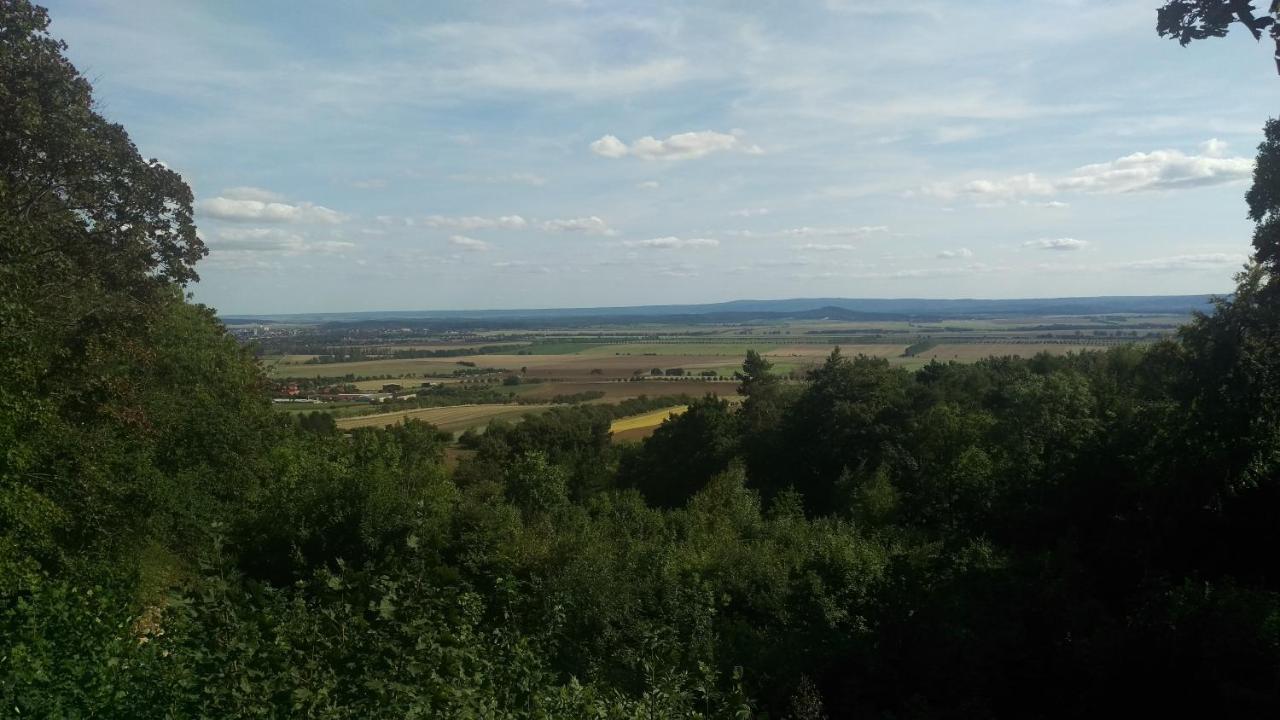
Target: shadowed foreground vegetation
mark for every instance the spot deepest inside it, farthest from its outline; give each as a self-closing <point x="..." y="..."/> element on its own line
<point x="1051" y="537"/>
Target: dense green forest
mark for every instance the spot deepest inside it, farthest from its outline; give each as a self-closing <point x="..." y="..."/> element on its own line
<point x="1044" y="537"/>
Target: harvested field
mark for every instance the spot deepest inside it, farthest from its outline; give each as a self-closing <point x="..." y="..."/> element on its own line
<point x="409" y="383"/>
<point x="289" y="359"/>
<point x="817" y="352"/>
<point x="615" y="391"/>
<point x="709" y="349"/>
<point x="638" y="427"/>
<point x="970" y="352"/>
<point x="410" y="367"/>
<point x="450" y="419"/>
<point x="621" y="366"/>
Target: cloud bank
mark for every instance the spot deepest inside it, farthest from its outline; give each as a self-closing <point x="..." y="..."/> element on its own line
<point x="682" y="146"/>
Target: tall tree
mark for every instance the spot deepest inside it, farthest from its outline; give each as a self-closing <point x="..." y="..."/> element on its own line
<point x="1264" y="199"/>
<point x="96" y="245"/>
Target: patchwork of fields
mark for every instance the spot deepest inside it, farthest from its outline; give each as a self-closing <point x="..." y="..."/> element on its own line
<point x="607" y="364"/>
<point x="450" y="419"/>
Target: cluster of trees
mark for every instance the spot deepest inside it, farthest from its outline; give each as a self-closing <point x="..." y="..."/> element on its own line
<point x="918" y="347"/>
<point x="1049" y="537"/>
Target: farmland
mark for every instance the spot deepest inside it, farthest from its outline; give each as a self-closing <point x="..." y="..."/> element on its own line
<point x="450" y="419"/>
<point x="638" y="427"/>
<point x="459" y="379"/>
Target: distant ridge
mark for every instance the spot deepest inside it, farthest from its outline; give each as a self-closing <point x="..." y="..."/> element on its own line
<point x="794" y="308"/>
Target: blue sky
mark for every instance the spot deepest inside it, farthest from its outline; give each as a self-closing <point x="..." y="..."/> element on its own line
<point x="379" y="155"/>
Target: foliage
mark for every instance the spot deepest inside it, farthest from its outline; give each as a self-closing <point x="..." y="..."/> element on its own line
<point x="1264" y="200"/>
<point x="685" y="452"/>
<point x="1188" y="20"/>
<point x="1042" y="537"/>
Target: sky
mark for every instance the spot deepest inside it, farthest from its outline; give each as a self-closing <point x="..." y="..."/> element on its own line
<point x="462" y="155"/>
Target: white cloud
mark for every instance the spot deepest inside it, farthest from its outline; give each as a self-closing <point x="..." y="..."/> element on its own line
<point x="470" y="244"/>
<point x="750" y="212"/>
<point x="853" y="232"/>
<point x="955" y="254"/>
<point x="958" y="271"/>
<point x="1202" y="261"/>
<point x="824" y="247"/>
<point x="956" y="133"/>
<point x="472" y="222"/>
<point x="370" y="184"/>
<point x="1137" y="172"/>
<point x="1214" y="148"/>
<point x="224" y="208"/>
<point x="682" y="146"/>
<point x="1056" y="244"/>
<point x="257" y="239"/>
<point x="678" y="273"/>
<point x="1159" y="170"/>
<point x="273" y="240"/>
<point x="328" y="247"/>
<point x="863" y="273"/>
<point x="515" y="178"/>
<point x="884" y="7"/>
<point x="609" y="146"/>
<point x="993" y="190"/>
<point x="649" y="185"/>
<point x="393" y="220"/>
<point x="587" y="225"/>
<point x="244" y="192"/>
<point x="522" y="266"/>
<point x="672" y="243"/>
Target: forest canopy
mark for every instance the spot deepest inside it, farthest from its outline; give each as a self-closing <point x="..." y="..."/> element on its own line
<point x="1018" y="537"/>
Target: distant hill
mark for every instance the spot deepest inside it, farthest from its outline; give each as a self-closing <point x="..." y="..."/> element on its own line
<point x="769" y="310"/>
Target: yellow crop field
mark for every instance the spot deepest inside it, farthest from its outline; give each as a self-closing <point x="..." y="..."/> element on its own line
<point x="647" y="420"/>
<point x="450" y="419"/>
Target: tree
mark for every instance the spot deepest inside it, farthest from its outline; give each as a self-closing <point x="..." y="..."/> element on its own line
<point x="96" y="245"/>
<point x="321" y="423"/>
<point x="847" y="420"/>
<point x="1264" y="200"/>
<point x="1188" y="20"/>
<point x="756" y="375"/>
<point x="535" y="485"/>
<point x="685" y="452"/>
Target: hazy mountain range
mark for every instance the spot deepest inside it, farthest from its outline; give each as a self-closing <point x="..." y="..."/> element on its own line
<point x="773" y="310"/>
